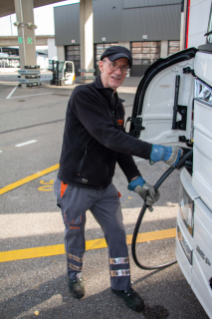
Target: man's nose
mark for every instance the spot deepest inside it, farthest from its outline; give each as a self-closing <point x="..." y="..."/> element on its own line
<point x="119" y="70"/>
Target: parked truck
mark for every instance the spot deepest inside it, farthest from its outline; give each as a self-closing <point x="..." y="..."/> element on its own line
<point x="173" y="105"/>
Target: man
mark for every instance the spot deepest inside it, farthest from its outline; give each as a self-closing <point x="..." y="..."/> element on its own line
<point x="94" y="140"/>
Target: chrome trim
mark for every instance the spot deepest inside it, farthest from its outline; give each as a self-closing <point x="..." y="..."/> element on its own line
<point x="188" y="252"/>
<point x="75" y="267"/>
<point x="73" y="257"/>
<point x="186" y="204"/>
<point x="119" y="260"/>
<point x="202" y="92"/>
<point x="120" y="273"/>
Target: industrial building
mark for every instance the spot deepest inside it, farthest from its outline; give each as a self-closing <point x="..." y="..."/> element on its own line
<point x="149" y="28"/>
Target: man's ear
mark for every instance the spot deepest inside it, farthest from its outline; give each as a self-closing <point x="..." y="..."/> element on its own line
<point x="101" y="65"/>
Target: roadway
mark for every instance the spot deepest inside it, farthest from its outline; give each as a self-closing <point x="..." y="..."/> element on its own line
<point x="33" y="277"/>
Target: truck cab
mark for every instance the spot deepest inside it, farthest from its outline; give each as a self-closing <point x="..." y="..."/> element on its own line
<point x="173" y="106"/>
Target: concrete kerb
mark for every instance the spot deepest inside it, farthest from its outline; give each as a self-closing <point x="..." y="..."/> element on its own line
<point x="9" y="83"/>
<point x="121" y="89"/>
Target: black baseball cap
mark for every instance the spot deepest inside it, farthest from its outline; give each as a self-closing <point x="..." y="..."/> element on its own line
<point x="117" y="52"/>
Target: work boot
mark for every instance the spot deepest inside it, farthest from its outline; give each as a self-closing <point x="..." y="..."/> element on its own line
<point x="131" y="298"/>
<point x="76" y="287"/>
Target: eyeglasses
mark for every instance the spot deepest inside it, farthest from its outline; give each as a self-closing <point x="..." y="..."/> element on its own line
<point x="114" y="67"/>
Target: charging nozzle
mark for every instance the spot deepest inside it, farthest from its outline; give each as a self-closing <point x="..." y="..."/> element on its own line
<point x="186" y="158"/>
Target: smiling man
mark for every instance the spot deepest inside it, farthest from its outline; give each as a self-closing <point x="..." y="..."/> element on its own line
<point x="113" y="73"/>
<point x="94" y="141"/>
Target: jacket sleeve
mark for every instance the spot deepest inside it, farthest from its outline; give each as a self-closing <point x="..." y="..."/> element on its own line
<point x="94" y="116"/>
<point x="128" y="166"/>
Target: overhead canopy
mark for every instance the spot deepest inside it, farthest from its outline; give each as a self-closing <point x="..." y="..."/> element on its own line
<point x="8" y="6"/>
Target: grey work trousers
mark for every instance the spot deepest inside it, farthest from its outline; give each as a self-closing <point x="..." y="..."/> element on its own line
<point x="105" y="206"/>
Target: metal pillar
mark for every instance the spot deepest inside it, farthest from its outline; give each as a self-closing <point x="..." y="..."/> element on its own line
<point x="27" y="46"/>
<point x="86" y="41"/>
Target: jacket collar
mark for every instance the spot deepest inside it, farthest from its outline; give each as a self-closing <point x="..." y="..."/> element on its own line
<point x="107" y="92"/>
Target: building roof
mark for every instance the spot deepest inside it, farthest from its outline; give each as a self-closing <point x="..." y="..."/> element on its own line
<point x="8" y="6"/>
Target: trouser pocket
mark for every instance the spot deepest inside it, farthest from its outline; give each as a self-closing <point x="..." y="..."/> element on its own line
<point x="68" y="200"/>
<point x="57" y="187"/>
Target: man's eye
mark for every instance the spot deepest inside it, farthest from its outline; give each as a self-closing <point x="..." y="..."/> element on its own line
<point x="124" y="68"/>
<point x="114" y="64"/>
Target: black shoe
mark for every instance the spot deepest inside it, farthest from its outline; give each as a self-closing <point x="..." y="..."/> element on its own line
<point x="76" y="287"/>
<point x="131" y="298"/>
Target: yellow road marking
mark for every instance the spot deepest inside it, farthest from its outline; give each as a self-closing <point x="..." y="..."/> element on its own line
<point x="28" y="179"/>
<point x="53" y="250"/>
<point x="46" y="186"/>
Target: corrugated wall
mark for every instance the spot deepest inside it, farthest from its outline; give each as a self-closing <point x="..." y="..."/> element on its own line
<point x="66" y="19"/>
<point x="113" y="21"/>
<point x="158" y="23"/>
<point x="147" y="3"/>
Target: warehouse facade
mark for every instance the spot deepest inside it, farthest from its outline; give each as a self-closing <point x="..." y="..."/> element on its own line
<point x="149" y="28"/>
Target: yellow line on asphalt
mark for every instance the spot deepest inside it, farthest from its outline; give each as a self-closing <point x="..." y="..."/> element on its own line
<point x="28" y="179"/>
<point x="54" y="250"/>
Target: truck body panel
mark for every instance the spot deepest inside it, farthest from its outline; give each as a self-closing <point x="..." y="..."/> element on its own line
<point x="173" y="103"/>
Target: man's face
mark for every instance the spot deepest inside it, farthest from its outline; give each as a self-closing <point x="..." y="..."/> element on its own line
<point x="113" y="73"/>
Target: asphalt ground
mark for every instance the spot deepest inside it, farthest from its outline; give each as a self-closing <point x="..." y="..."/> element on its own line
<point x="31" y="129"/>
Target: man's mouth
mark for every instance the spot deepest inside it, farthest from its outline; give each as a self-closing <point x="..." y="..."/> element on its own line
<point x="116" y="78"/>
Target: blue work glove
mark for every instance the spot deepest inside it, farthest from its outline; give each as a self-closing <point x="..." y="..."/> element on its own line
<point x="169" y="154"/>
<point x="146" y="191"/>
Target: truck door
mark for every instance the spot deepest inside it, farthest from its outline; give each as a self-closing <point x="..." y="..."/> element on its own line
<point x="164" y="100"/>
<point x="171" y="91"/>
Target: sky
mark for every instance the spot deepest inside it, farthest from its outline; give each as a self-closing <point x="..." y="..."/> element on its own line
<point x="43" y="18"/>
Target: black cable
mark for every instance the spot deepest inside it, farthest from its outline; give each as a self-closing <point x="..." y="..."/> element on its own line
<point x="181" y="163"/>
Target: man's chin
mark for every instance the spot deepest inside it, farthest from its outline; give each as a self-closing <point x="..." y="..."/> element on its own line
<point x="115" y="86"/>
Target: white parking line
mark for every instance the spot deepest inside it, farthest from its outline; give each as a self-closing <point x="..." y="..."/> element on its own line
<point x="11" y="93"/>
<point x="26" y="143"/>
<point x="17" y="97"/>
<point x="0" y="151"/>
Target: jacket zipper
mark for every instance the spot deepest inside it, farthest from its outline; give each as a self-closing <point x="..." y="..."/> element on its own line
<point x="85" y="155"/>
<point x="112" y="113"/>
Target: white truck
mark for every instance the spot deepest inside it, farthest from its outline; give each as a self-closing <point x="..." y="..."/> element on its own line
<point x="173" y="105"/>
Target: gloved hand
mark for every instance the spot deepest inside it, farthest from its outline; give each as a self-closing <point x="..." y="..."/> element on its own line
<point x="169" y="154"/>
<point x="146" y="191"/>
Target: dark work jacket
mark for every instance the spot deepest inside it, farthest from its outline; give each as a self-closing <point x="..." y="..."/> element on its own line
<point x="94" y="139"/>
